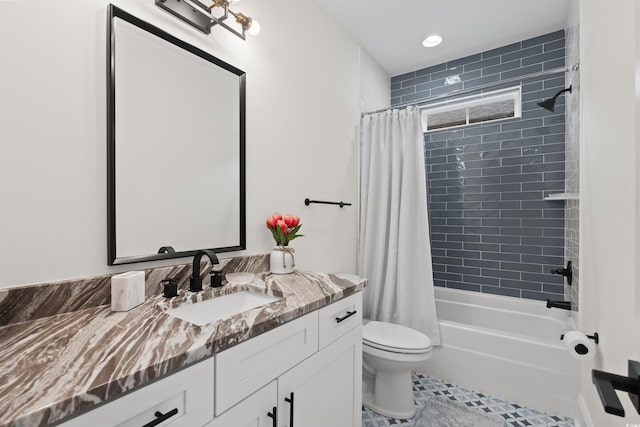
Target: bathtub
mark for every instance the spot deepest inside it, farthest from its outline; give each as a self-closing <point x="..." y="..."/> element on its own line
<point x="508" y="348"/>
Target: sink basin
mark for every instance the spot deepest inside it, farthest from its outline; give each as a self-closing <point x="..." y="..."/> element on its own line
<point x="221" y="307"/>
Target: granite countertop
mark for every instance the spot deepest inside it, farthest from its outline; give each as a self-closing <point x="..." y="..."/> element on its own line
<point x="53" y="367"/>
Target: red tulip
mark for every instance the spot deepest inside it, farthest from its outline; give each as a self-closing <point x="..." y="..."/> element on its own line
<point x="282" y="225"/>
<point x="287" y="224"/>
<point x="288" y="219"/>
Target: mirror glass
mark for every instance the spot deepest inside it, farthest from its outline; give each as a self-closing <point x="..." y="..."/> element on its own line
<point x="175" y="146"/>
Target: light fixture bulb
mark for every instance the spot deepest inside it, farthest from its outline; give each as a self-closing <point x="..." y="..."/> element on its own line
<point x="254" y="29"/>
<point x="432" y="41"/>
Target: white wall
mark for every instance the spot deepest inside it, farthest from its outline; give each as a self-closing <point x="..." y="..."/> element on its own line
<point x="302" y="118"/>
<point x="637" y="176"/>
<point x="375" y="84"/>
<point x="608" y="170"/>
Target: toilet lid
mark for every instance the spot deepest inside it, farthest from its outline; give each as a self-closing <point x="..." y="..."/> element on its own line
<point x="396" y="338"/>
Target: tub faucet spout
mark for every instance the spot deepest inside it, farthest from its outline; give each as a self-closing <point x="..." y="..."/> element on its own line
<point x="565" y="305"/>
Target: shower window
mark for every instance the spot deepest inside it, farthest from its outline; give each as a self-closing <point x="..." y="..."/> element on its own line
<point x="486" y="107"/>
<point x="447" y="119"/>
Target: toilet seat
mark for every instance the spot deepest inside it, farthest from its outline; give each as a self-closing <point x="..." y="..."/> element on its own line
<point x="394" y="338"/>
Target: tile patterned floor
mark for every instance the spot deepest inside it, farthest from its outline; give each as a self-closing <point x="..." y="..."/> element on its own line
<point x="425" y="387"/>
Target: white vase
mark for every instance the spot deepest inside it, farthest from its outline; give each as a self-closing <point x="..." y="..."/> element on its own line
<point x="281" y="260"/>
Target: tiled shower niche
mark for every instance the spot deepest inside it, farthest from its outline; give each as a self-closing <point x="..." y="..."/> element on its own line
<point x="491" y="228"/>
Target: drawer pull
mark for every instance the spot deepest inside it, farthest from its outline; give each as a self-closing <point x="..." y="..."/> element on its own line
<point x="346" y="316"/>
<point x="160" y="417"/>
<point x="274" y="416"/>
<point x="290" y="401"/>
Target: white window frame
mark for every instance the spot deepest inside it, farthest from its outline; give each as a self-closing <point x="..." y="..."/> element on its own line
<point x="511" y="93"/>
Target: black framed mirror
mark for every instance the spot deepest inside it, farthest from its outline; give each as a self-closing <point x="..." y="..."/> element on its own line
<point x="175" y="146"/>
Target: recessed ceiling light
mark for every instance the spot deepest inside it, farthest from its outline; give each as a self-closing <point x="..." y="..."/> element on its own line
<point x="432" y="40"/>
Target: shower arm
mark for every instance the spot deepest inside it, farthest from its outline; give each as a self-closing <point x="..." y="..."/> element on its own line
<point x="569" y="89"/>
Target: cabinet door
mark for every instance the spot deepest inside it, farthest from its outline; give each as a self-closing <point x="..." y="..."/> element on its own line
<point x="251" y="412"/>
<point x="326" y="388"/>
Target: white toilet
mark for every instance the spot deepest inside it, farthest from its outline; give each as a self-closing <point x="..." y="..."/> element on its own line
<point x="390" y="353"/>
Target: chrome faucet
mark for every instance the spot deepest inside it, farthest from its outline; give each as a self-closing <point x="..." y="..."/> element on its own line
<point x="195" y="282"/>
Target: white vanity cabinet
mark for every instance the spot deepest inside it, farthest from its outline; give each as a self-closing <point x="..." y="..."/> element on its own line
<point x="304" y="373"/>
<point x="181" y="399"/>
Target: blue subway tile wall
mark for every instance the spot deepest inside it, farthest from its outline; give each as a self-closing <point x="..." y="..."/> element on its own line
<point x="492" y="229"/>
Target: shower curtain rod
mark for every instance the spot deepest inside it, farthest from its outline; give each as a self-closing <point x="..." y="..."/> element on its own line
<point x="474" y="89"/>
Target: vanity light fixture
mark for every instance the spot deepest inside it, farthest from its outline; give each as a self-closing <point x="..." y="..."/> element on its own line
<point x="432" y="41"/>
<point x="204" y="17"/>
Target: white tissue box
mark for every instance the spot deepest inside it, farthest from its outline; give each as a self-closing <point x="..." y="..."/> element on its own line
<point x="127" y="290"/>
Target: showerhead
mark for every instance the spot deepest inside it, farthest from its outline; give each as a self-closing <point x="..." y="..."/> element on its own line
<point x="550" y="104"/>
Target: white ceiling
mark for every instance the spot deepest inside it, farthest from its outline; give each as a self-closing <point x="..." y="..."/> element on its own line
<point x="392" y="31"/>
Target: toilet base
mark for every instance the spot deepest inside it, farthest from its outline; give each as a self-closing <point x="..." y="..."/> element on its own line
<point x="399" y="403"/>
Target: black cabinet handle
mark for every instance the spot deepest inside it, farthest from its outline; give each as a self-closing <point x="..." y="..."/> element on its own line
<point x="274" y="416"/>
<point x="290" y="401"/>
<point x="160" y="417"/>
<point x="346" y="316"/>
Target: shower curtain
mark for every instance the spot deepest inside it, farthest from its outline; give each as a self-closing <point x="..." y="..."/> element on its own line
<point x="395" y="248"/>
